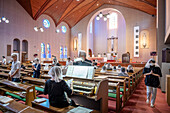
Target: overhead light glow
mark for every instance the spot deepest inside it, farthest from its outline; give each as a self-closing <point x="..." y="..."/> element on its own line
<point x="41" y="29"/>
<point x="97" y="18"/>
<point x="35" y="28"/>
<point x="3" y="18"/>
<point x="105" y="19"/>
<point x="7" y="21"/>
<point x="100" y="15"/>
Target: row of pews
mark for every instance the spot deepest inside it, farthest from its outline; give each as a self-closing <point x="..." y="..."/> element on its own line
<point x="90" y="93"/>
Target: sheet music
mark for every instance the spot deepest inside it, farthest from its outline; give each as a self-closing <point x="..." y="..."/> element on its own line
<point x="90" y="73"/>
<point x="70" y="71"/>
<point x="80" y="71"/>
<point x="80" y="110"/>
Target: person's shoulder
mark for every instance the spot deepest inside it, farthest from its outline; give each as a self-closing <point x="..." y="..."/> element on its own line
<point x="88" y="60"/>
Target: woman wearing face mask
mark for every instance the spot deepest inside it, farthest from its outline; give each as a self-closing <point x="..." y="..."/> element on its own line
<point x="152" y="72"/>
<point x="56" y="89"/>
<point x="36" y="68"/>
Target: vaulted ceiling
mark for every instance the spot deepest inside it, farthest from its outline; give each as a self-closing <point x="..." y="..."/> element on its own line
<point x="72" y="11"/>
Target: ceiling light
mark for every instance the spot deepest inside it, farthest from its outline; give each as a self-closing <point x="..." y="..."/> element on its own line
<point x="97" y="18"/>
<point x="100" y="15"/>
<point x="108" y="15"/>
<point x="35" y="28"/>
<point x="97" y="4"/>
<point x="77" y="0"/>
<point x="3" y="18"/>
<point x="7" y="21"/>
<point x="57" y="30"/>
<point x="41" y="29"/>
<point x="105" y="19"/>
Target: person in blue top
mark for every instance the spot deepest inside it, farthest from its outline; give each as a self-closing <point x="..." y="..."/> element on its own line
<point x="152" y="72"/>
<point x="36" y="68"/>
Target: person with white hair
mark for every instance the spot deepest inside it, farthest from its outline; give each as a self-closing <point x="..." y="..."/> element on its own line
<point x="152" y="72"/>
<point x="56" y="88"/>
<point x="82" y="61"/>
<point x="36" y="68"/>
<point x="15" y="69"/>
<point x="130" y="69"/>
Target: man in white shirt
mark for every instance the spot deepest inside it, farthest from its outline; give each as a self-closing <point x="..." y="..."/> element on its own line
<point x="15" y="69"/>
<point x="4" y="60"/>
<point x="69" y="62"/>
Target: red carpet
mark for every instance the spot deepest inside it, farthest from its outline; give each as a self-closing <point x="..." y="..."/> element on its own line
<point x="137" y="104"/>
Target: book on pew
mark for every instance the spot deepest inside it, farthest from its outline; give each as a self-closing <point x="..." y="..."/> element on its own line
<point x="40" y="100"/>
<point x="5" y="100"/>
<point x="80" y="110"/>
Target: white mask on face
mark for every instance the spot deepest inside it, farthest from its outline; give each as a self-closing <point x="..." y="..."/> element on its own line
<point x="151" y="64"/>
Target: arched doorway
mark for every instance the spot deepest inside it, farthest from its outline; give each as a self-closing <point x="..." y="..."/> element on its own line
<point x="99" y="31"/>
<point x="24" y="50"/>
<point x="16" y="47"/>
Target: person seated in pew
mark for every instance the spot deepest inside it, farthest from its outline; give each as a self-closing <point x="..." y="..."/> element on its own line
<point x="56" y="88"/>
<point x="82" y="61"/>
<point x="3" y="60"/>
<point x="152" y="72"/>
<point x="15" y="69"/>
<point x="36" y="68"/>
<point x="119" y="66"/>
<point x="130" y="69"/>
<point x="103" y="70"/>
<point x="114" y="68"/>
<point x="55" y="62"/>
<point x="122" y="72"/>
<point x="109" y="66"/>
<point x="94" y="63"/>
<point x="69" y="62"/>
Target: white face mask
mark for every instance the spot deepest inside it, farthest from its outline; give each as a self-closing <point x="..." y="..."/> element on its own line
<point x="151" y="64"/>
<point x="12" y="59"/>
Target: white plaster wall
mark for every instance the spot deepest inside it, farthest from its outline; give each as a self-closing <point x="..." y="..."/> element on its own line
<point x="21" y="26"/>
<point x="132" y="17"/>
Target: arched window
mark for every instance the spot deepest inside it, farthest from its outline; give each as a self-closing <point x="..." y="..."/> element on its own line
<point x="65" y="52"/>
<point x="91" y="27"/>
<point x="113" y="21"/>
<point x="61" y="52"/>
<point x="48" y="51"/>
<point x="43" y="50"/>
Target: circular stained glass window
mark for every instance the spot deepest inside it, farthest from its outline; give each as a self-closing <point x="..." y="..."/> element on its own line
<point x="64" y="29"/>
<point x="46" y="23"/>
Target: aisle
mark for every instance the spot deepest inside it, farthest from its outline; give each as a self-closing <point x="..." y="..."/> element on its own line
<point x="137" y="104"/>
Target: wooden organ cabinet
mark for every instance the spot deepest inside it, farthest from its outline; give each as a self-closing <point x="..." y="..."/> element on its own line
<point x="90" y="93"/>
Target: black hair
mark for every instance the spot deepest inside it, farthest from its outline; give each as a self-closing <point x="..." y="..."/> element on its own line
<point x="153" y="61"/>
<point x="3" y="56"/>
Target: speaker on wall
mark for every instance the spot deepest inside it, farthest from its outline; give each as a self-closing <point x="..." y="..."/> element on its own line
<point x="166" y="55"/>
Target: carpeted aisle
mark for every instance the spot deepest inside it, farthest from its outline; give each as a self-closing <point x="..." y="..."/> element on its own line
<point x="137" y="104"/>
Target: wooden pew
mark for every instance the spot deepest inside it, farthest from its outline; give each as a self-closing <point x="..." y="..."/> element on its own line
<point x="38" y="83"/>
<point x="16" y="107"/>
<point x="4" y="75"/>
<point x="16" y="90"/>
<point x="45" y="106"/>
<point x="117" y="86"/>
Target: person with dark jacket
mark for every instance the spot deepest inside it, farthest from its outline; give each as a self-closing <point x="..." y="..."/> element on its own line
<point x="57" y="89"/>
<point x="36" y="68"/>
<point x="82" y="61"/>
<point x="152" y="72"/>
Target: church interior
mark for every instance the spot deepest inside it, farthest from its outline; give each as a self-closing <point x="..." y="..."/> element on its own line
<point x="88" y="56"/>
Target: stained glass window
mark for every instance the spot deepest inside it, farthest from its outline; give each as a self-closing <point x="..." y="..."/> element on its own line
<point x="43" y="50"/>
<point x="63" y="29"/>
<point x="61" y="52"/>
<point x="65" y="52"/>
<point x="91" y="27"/>
<point x="48" y="51"/>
